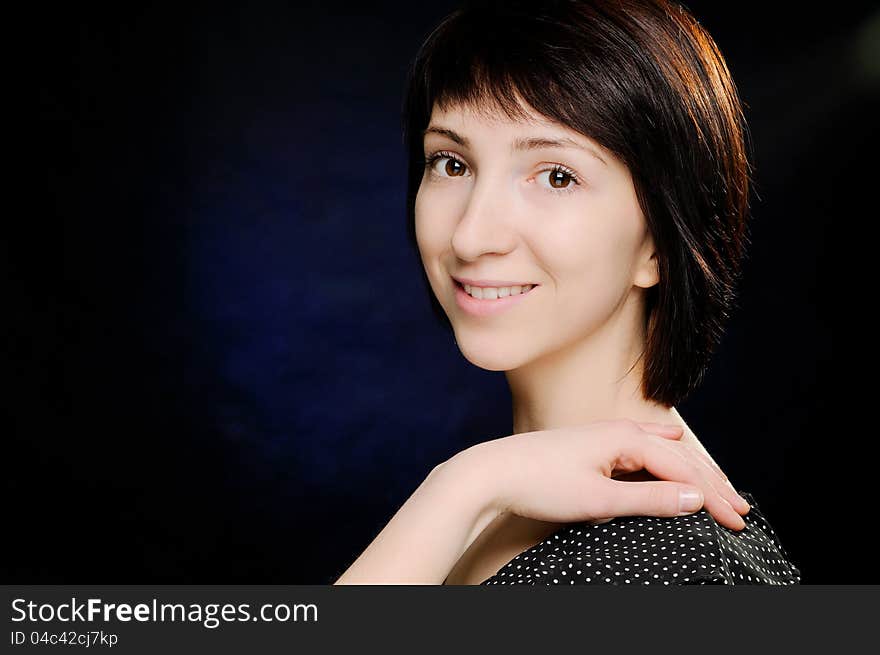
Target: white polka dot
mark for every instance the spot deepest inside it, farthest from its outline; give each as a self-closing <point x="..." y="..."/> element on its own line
<point x="753" y="555"/>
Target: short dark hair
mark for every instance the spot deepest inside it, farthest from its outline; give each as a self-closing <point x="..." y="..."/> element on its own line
<point x="645" y="80"/>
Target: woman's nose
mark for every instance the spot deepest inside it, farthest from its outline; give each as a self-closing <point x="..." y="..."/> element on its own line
<point x="485" y="226"/>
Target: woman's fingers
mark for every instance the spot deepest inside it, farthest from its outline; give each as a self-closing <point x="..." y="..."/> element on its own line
<point x="713" y="473"/>
<point x="663" y="460"/>
<point x="721" y="498"/>
<point x="719" y="480"/>
<point x="662" y="429"/>
<point x="653" y="498"/>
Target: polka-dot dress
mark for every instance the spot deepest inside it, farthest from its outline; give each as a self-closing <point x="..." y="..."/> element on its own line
<point x="658" y="550"/>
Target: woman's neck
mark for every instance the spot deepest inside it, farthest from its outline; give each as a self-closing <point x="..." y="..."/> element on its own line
<point x="581" y="385"/>
<point x="596" y="378"/>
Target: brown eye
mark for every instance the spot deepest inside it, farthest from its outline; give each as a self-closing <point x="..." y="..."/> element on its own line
<point x="453" y="167"/>
<point x="560" y="179"/>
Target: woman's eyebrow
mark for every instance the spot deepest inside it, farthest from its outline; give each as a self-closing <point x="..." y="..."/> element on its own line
<point x="523" y="143"/>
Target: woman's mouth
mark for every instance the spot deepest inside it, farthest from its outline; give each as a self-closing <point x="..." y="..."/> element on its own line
<point x="487" y="301"/>
<point x="494" y="293"/>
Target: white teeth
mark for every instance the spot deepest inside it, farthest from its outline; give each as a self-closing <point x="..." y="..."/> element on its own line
<point x="492" y="293"/>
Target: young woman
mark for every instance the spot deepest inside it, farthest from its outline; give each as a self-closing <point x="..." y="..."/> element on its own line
<point x="578" y="194"/>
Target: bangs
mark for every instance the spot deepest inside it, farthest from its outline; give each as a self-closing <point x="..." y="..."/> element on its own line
<point x="501" y="63"/>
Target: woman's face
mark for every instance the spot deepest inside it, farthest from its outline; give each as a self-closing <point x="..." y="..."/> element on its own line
<point x="494" y="206"/>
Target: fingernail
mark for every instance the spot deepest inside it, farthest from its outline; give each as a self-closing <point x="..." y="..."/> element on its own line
<point x="689" y="501"/>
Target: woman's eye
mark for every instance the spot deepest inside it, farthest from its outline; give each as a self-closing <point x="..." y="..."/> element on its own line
<point x="561" y="179"/>
<point x="452" y="168"/>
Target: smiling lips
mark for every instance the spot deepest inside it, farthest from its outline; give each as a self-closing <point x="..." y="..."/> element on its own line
<point x="490" y="283"/>
<point x="484" y="300"/>
<point x="492" y="293"/>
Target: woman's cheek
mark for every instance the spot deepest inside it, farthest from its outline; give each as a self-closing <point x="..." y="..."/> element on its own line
<point x="428" y="222"/>
<point x="589" y="274"/>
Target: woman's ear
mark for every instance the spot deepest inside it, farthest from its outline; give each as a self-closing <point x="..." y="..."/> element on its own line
<point x="647" y="272"/>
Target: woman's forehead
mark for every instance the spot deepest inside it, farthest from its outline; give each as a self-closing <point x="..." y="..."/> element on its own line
<point x="492" y="113"/>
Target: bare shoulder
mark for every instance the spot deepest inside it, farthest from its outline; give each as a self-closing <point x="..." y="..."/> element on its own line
<point x="506" y="537"/>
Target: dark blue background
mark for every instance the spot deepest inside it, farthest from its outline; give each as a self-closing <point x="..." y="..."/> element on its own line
<point x="223" y="364"/>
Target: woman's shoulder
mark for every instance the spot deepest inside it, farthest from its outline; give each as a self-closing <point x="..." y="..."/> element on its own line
<point x="691" y="549"/>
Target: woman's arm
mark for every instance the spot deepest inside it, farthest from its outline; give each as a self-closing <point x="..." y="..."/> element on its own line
<point x="560" y="475"/>
<point x="426" y="537"/>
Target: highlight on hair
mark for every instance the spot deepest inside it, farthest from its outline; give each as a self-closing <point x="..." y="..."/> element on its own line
<point x="645" y="80"/>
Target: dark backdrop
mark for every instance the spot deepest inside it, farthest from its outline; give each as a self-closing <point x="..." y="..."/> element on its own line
<point x="222" y="365"/>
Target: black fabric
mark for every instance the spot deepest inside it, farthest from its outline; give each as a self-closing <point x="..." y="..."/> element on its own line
<point x="691" y="549"/>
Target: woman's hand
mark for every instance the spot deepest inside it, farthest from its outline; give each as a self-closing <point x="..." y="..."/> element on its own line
<point x="566" y="475"/>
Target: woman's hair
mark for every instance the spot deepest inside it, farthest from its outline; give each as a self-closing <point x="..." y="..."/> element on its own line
<point x="645" y="80"/>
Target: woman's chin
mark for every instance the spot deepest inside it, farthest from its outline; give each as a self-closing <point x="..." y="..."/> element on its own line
<point x="493" y="354"/>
